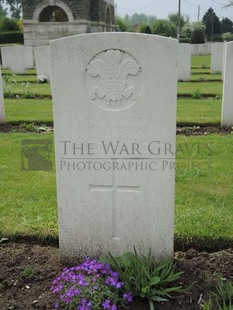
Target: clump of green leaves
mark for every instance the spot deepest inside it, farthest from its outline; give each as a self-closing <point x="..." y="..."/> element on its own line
<point x="145" y="277"/>
<point x="28" y="127"/>
<point x="222" y="296"/>
<point x="7" y="87"/>
<point x="29" y="272"/>
<point x="27" y="93"/>
<point x="224" y="293"/>
<point x="197" y="94"/>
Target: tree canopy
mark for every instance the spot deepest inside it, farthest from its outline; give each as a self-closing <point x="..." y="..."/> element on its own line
<point x="14" y="7"/>
<point x="212" y="24"/>
<point x="164" y="27"/>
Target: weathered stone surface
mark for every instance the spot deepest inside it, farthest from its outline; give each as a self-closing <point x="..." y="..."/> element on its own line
<point x="83" y="16"/>
<point x="217" y="57"/>
<point x="13" y="58"/>
<point x="184" y="61"/>
<point x="42" y="61"/>
<point x="227" y="104"/>
<point x="115" y="125"/>
<point x="28" y="57"/>
<point x="2" y="109"/>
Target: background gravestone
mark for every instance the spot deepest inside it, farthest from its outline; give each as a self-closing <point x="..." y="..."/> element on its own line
<point x="2" y="110"/>
<point x="217" y="57"/>
<point x="115" y="133"/>
<point x="184" y="61"/>
<point x="227" y="106"/>
<point x="28" y="57"/>
<point x="5" y="57"/>
<point x="42" y="61"/>
<point x="13" y="58"/>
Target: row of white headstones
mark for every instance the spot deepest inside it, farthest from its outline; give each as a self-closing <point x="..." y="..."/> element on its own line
<point x="114" y="102"/>
<point x="20" y="58"/>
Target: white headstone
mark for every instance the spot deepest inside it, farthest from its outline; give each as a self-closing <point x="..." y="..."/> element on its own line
<point x="2" y="110"/>
<point x="5" y="57"/>
<point x="195" y="49"/>
<point x="42" y="61"/>
<point x="216" y="57"/>
<point x="114" y="97"/>
<point x="28" y="57"/>
<point x="227" y="106"/>
<point x="184" y="61"/>
<point x="203" y="49"/>
<point x="15" y="59"/>
<point x="209" y="48"/>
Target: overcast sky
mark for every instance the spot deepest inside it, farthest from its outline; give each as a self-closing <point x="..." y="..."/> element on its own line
<point x="161" y="8"/>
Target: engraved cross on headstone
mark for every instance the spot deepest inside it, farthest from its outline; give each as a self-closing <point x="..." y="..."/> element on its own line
<point x="114" y="188"/>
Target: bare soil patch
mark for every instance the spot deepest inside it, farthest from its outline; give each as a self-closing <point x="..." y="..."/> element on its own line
<point x="21" y="292"/>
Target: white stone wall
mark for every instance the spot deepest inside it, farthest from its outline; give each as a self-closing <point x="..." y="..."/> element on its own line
<point x="217" y="57"/>
<point x="184" y="61"/>
<point x="42" y="61"/>
<point x="227" y="102"/>
<point x="2" y="109"/>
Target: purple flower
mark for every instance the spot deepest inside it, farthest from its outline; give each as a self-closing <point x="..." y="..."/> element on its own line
<point x="83" y="286"/>
<point x="128" y="297"/>
<point x="107" y="304"/>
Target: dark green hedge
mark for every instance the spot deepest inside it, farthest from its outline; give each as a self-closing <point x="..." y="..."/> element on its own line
<point x="184" y="40"/>
<point x="11" y="37"/>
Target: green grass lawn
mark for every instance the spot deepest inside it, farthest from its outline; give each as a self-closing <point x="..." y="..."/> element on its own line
<point x="204" y="189"/>
<point x="194" y="111"/>
<point x="25" y="110"/>
<point x="206" y="88"/>
<point x="27" y="72"/>
<point x="20" y="78"/>
<point x="202" y="62"/>
<point x="204" y="180"/>
<point x="28" y="198"/>
<point x="199" y="111"/>
<point x="204" y="195"/>
<point x="206" y="77"/>
<point x="27" y="89"/>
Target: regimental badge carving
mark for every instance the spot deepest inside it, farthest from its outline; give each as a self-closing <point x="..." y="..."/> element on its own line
<point x="113" y="80"/>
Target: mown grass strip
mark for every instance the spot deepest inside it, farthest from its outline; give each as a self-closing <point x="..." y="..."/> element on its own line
<point x="208" y="88"/>
<point x="204" y="189"/>
<point x="202" y="62"/>
<point x="26" y="110"/>
<point x="199" y="111"/>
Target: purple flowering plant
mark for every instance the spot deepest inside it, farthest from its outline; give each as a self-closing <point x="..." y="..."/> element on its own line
<point x="89" y="286"/>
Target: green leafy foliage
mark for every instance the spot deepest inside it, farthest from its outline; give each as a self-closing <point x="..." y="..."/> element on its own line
<point x="8" y="24"/>
<point x="145" y="277"/>
<point x="197" y="94"/>
<point x="224" y="293"/>
<point x="164" y="27"/>
<point x="15" y="7"/>
<point x="222" y="296"/>
<point x="197" y="36"/>
<point x="226" y="25"/>
<point x="212" y="24"/>
<point x="145" y="29"/>
<point x="122" y="24"/>
<point x="28" y="272"/>
<point x="11" y="37"/>
<point x="136" y="19"/>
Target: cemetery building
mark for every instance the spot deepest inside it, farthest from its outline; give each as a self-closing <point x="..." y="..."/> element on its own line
<point x="45" y="20"/>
